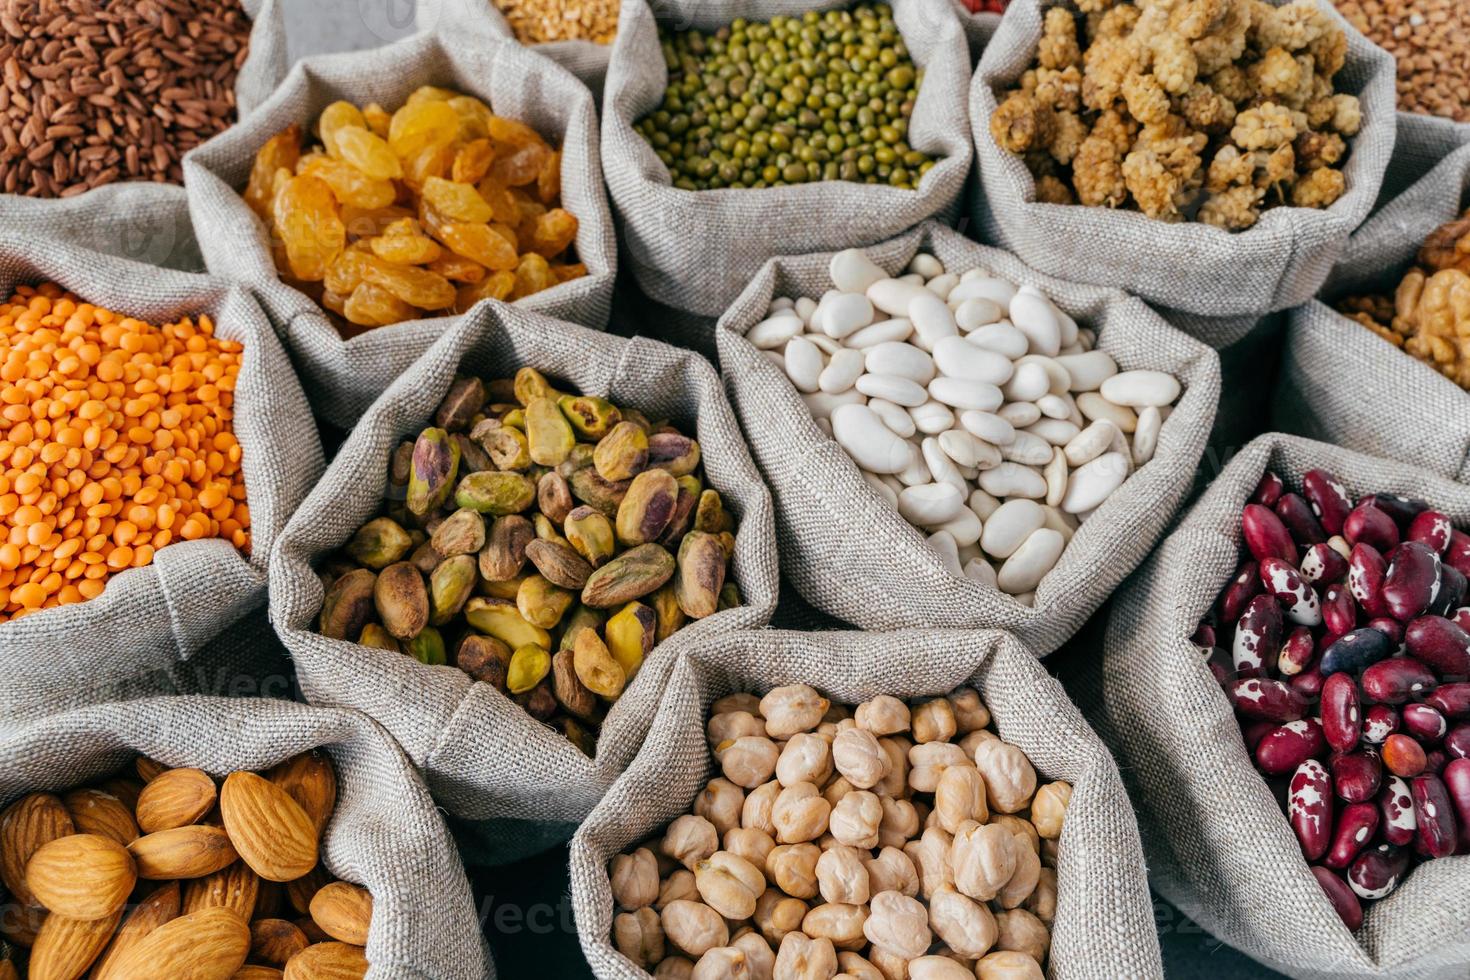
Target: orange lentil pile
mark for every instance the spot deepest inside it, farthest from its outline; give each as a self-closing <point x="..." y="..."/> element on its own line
<point x="115" y="440"/>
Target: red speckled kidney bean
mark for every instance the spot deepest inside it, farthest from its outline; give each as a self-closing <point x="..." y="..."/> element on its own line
<point x="1356" y="825"/>
<point x="1322" y="563"/>
<point x="1297" y="652"/>
<point x="1283" y="582"/>
<point x="1257" y="636"/>
<point x="1344" y="902"/>
<point x="1264" y="699"/>
<point x="1411" y="581"/>
<point x="1451" y="593"/>
<point x="1403" y="756"/>
<point x="1204" y="636"/>
<point x="1265" y="535"/>
<point x="1244" y="587"/>
<point x="1457" y="741"/>
<point x="1396" y="680"/>
<point x="1252" y="733"/>
<point x="1221" y="664"/>
<point x="1452" y="700"/>
<point x="1457" y="553"/>
<point x="1389" y="627"/>
<point x="1297" y="515"/>
<point x="1461" y="618"/>
<point x="1457" y="783"/>
<point x="1339" y="611"/>
<point x="1355" y="652"/>
<point x="1377" y="871"/>
<point x="1431" y="528"/>
<point x="1309" y="682"/>
<point x="1439" y="832"/>
<point x="1439" y="643"/>
<point x="1356" y="776"/>
<point x="1435" y="760"/>
<point x="1366" y="569"/>
<point x="1424" y="723"/>
<point x="1309" y="808"/>
<point x="1369" y="525"/>
<point x="1328" y="498"/>
<point x="1379" y="722"/>
<point x="1397" y="804"/>
<point x="1269" y="490"/>
<point x="1342" y="719"/>
<point x="1402" y="509"/>
<point x="1284" y="748"/>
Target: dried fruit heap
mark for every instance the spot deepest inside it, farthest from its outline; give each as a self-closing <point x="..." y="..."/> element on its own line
<point x="157" y="872"/>
<point x="425" y="211"/>
<point x="1341" y="643"/>
<point x="1211" y="110"/>
<point x="116" y="439"/>
<point x="1429" y="314"/>
<point x="624" y="541"/>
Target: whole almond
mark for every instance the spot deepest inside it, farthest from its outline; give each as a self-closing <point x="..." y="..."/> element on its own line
<point x="66" y="947"/>
<point x="159" y="907"/>
<point x="311" y="930"/>
<point x="148" y="769"/>
<point x="176" y="798"/>
<point x="210" y="944"/>
<point x="328" y="961"/>
<point x="275" y="941"/>
<point x="95" y="812"/>
<point x="252" y="972"/>
<point x="184" y="852"/>
<point x="125" y="789"/>
<point x="20" y="924"/>
<point x="7" y="971"/>
<point x="26" y="824"/>
<point x="84" y="876"/>
<point x="270" y="830"/>
<point x="310" y="780"/>
<point x="235" y="887"/>
<point x="301" y="891"/>
<point x="344" y="911"/>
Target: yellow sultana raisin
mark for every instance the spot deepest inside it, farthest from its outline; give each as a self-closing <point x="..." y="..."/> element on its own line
<point x="555" y="230"/>
<point x="368" y="153"/>
<point x="533" y="274"/>
<point x="417" y="287"/>
<point x="401" y="243"/>
<point x="472" y="161"/>
<point x="504" y="130"/>
<point x="548" y="181"/>
<point x="280" y="152"/>
<point x="346" y="271"/>
<point x="473" y="117"/>
<point x="501" y="201"/>
<point x="333" y="118"/>
<point x="373" y="306"/>
<point x="307" y="220"/>
<point x="370" y="222"/>
<point x="480" y="243"/>
<point x="349" y="184"/>
<point x="457" y="268"/>
<point x="566" y="273"/>
<point x="521" y="165"/>
<point x="497" y="285"/>
<point x="431" y="161"/>
<point x="420" y="125"/>
<point x="377" y="119"/>
<point x="457" y="202"/>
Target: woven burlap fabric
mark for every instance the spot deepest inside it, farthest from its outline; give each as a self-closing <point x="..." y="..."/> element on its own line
<point x="139" y="219"/>
<point x="148" y="619"/>
<point x="1218" y="844"/>
<point x="344" y="376"/>
<point x="979" y="29"/>
<point x="851" y="555"/>
<point x="1104" y="924"/>
<point x="696" y="250"/>
<point x="487" y="761"/>
<point x="585" y="59"/>
<point x="1277" y="264"/>
<point x="1341" y="382"/>
<point x="385" y="832"/>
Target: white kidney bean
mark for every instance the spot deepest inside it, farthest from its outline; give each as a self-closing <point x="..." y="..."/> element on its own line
<point x="1028" y="448"/>
<point x="932" y="319"/>
<point x="775" y="330"/>
<point x="900" y="391"/>
<point x="1140" y="389"/>
<point x="1020" y="414"/>
<point x="883" y="490"/>
<point x="930" y="504"/>
<point x="859" y="430"/>
<point x="957" y="358"/>
<point x="917" y="471"/>
<point x="822" y="405"/>
<point x="972" y="314"/>
<point x="944" y="546"/>
<point x="1092" y="483"/>
<point x="1028" y="383"/>
<point x="1013" y="480"/>
<point x="988" y="427"/>
<point x="893" y="296"/>
<point x="803" y="363"/>
<point x="1034" y="316"/>
<point x="845" y="313"/>
<point x="1025" y="569"/>
<point x="852" y="271"/>
<point x="983" y="504"/>
<point x="960" y="394"/>
<point x="1146" y="436"/>
<point x="1094" y="406"/>
<point x="899" y="360"/>
<point x="1088" y="371"/>
<point x="1058" y="432"/>
<point x="965" y="528"/>
<point x="1000" y="337"/>
<point x="884" y="331"/>
<point x="941" y="285"/>
<point x="1010" y="524"/>
<point x="932" y="418"/>
<point x="842" y="372"/>
<point x="998" y="291"/>
<point x="1056" y="474"/>
<point x="896" y="417"/>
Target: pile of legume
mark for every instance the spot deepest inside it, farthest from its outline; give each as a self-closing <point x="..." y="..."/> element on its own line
<point x="824" y="96"/>
<point x="1431" y="40"/>
<point x="542" y="21"/>
<point x="115" y="440"/>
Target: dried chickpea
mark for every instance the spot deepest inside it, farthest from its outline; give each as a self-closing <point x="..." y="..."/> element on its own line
<point x="720" y="802"/>
<point x="635" y="879"/>
<point x="938" y="968"/>
<point x="1042" y="902"/>
<point x="756" y="813"/>
<point x="856" y="819"/>
<point x="1018" y="826"/>
<point x="930" y="855"/>
<point x="892" y="871"/>
<point x="803" y="958"/>
<point x="835" y="790"/>
<point x="1008" y="965"/>
<point x="639" y="936"/>
<point x="900" y="822"/>
<point x="694" y="927"/>
<point x="928" y="761"/>
<point x="1049" y="808"/>
<point x="934" y="721"/>
<point x="729" y="884"/>
<point x="857" y="754"/>
<point x="749" y="760"/>
<point x="674" y="968"/>
<point x="842" y="925"/>
<point x="971" y="742"/>
<point x="752" y="844"/>
<point x="722" y="963"/>
<point x="791" y="709"/>
<point x="1020" y="931"/>
<point x="690" y="839"/>
<point x="854" y="966"/>
<point x="732" y="725"/>
<point x="983" y="859"/>
<point x="890" y="965"/>
<point x="760" y="958"/>
<point x="800" y="814"/>
<point x="899" y="925"/>
<point x="966" y="926"/>
<point x="896" y="782"/>
<point x="1024" y="878"/>
<point x="805" y="758"/>
<point x="1010" y="779"/>
<point x="842" y="877"/>
<point x="960" y="796"/>
<point x="118" y="440"/>
<point x="777" y="914"/>
<point x="677" y="886"/>
<point x="793" y="869"/>
<point x="739" y="701"/>
<point x="970" y="713"/>
<point x="883" y="715"/>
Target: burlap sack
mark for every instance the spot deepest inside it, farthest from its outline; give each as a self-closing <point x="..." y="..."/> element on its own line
<point x="979" y="29"/>
<point x="585" y="59"/>
<point x="343" y="377"/>
<point x="850" y="554"/>
<point x="517" y="785"/>
<point x="142" y="220"/>
<point x="1104" y="923"/>
<point x="1191" y="267"/>
<point x="1217" y="842"/>
<point x="1341" y="382"/>
<point x="696" y="250"/>
<point x="150" y="619"/>
<point x="385" y="833"/>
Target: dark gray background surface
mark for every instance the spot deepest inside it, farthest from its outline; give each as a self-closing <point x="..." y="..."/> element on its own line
<point x="525" y="908"/>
